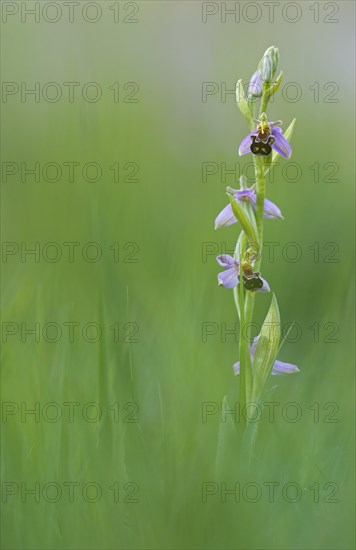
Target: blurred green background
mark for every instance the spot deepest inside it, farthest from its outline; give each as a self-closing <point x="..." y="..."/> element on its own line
<point x="160" y="370"/>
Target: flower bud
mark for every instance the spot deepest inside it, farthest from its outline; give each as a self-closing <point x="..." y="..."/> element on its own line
<point x="268" y="64"/>
<point x="255" y="86"/>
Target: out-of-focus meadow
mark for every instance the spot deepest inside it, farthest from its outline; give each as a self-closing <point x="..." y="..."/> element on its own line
<point x="148" y="282"/>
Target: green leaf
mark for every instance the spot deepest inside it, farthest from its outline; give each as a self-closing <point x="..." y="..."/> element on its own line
<point x="245" y="221"/>
<point x="266" y="349"/>
<point x="243" y="104"/>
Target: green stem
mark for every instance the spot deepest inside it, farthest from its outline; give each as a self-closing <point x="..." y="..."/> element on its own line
<point x="246" y="382"/>
<point x="242" y="389"/>
<point x="245" y="339"/>
<point x="260" y="184"/>
<point x="260" y="165"/>
<point x="249" y="306"/>
<point x="265" y="97"/>
<point x="260" y="181"/>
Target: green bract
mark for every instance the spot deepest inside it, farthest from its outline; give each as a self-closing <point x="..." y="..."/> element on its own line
<point x="244" y="106"/>
<point x="247" y="223"/>
<point x="266" y="349"/>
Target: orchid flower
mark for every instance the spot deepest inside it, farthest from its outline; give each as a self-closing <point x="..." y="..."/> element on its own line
<point x="279" y="367"/>
<point x="266" y="137"/>
<point x="231" y="276"/>
<point x="226" y="216"/>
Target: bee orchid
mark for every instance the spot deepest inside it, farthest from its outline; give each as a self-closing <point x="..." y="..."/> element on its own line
<point x="279" y="367"/>
<point x="266" y="137"/>
<point x="227" y="217"/>
<point x="231" y="276"/>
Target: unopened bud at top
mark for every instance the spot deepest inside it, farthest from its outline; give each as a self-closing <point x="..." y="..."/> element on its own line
<point x="268" y="65"/>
